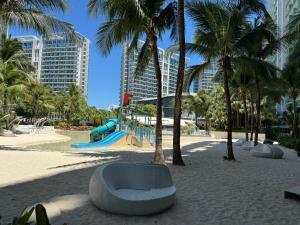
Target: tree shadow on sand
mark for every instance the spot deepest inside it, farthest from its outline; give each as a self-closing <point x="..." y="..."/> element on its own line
<point x="66" y="194"/>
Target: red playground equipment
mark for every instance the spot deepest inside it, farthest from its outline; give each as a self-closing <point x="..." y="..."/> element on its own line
<point x="127" y="98"/>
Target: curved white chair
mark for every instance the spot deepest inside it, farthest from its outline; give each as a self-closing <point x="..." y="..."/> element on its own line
<point x="248" y="145"/>
<point x="132" y="189"/>
<point x="239" y="142"/>
<point x="267" y="151"/>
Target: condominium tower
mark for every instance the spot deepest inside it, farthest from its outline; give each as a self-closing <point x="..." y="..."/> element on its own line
<point x="282" y="12"/>
<point x="144" y="86"/>
<point x="59" y="62"/>
<point x="204" y="81"/>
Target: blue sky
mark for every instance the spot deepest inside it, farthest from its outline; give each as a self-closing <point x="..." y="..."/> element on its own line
<point x="104" y="72"/>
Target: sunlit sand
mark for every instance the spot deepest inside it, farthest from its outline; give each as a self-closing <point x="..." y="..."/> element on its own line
<point x="209" y="189"/>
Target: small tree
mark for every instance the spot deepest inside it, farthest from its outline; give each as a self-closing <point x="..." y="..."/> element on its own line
<point x="130" y="20"/>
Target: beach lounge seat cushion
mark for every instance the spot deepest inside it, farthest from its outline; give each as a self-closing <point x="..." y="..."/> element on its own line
<point x="132" y="189"/>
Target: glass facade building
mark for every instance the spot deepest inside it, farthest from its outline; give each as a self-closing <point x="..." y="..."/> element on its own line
<point x="204" y="81"/>
<point x="282" y="12"/>
<point x="58" y="61"/>
<point x="144" y="86"/>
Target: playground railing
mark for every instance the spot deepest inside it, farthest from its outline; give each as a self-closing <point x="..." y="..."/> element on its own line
<point x="147" y="133"/>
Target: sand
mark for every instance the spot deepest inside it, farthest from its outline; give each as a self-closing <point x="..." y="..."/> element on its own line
<point x="24" y="140"/>
<point x="209" y="190"/>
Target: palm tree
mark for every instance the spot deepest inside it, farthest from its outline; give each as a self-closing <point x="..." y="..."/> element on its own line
<point x="192" y="105"/>
<point x="198" y="104"/>
<point x="217" y="110"/>
<point x="15" y="71"/>
<point x="39" y="99"/>
<point x="265" y="44"/>
<point x="243" y="83"/>
<point x="130" y="20"/>
<point x="291" y="82"/>
<point x="30" y="14"/>
<point x="75" y="102"/>
<point x="177" y="158"/>
<point x="222" y="33"/>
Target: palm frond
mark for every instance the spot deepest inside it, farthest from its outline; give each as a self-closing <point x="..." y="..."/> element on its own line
<point x="37" y="20"/>
<point x="167" y="19"/>
<point x="252" y="65"/>
<point x="114" y="32"/>
<point x="192" y="72"/>
<point x="53" y="5"/>
<point x="143" y="59"/>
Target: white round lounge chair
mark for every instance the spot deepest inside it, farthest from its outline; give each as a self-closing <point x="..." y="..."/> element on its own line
<point x="239" y="142"/>
<point x="132" y="189"/>
<point x="248" y="145"/>
<point x="267" y="151"/>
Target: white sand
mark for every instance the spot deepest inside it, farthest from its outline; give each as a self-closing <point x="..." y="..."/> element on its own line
<point x="209" y="189"/>
<point x="24" y="140"/>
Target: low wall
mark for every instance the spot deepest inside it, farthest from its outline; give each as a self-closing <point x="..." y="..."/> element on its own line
<point x="235" y="135"/>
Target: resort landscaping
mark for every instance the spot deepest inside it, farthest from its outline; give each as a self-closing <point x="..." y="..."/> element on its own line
<point x="227" y="155"/>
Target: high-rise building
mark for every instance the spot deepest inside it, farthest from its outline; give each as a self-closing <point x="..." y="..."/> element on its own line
<point x="278" y="11"/>
<point x="59" y="62"/>
<point x="282" y="12"/>
<point x="204" y="81"/>
<point x="144" y="86"/>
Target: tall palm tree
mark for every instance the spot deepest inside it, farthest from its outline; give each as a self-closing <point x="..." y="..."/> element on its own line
<point x="31" y="14"/>
<point x="243" y="83"/>
<point x="264" y="44"/>
<point x="177" y="158"/>
<point x="131" y="20"/>
<point x="291" y="82"/>
<point x="222" y="33"/>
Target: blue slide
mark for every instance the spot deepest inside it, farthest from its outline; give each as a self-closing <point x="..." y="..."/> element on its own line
<point x="107" y="141"/>
<point x="110" y="126"/>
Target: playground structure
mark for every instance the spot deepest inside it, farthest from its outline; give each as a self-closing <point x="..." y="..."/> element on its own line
<point x="114" y="134"/>
<point x="120" y="131"/>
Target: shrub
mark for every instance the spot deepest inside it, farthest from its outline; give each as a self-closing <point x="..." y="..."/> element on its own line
<point x="287" y="140"/>
<point x="41" y="217"/>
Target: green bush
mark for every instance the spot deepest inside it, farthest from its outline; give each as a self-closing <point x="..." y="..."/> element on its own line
<point x="63" y="124"/>
<point x="41" y="217"/>
<point x="289" y="141"/>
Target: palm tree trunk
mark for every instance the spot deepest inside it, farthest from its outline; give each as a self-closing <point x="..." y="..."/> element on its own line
<point x="246" y="117"/>
<point x="6" y="108"/>
<point x="258" y="101"/>
<point x="295" y="119"/>
<point x="225" y="65"/>
<point x="252" y="117"/>
<point x="177" y="158"/>
<point x="158" y="155"/>
<point x="237" y="119"/>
